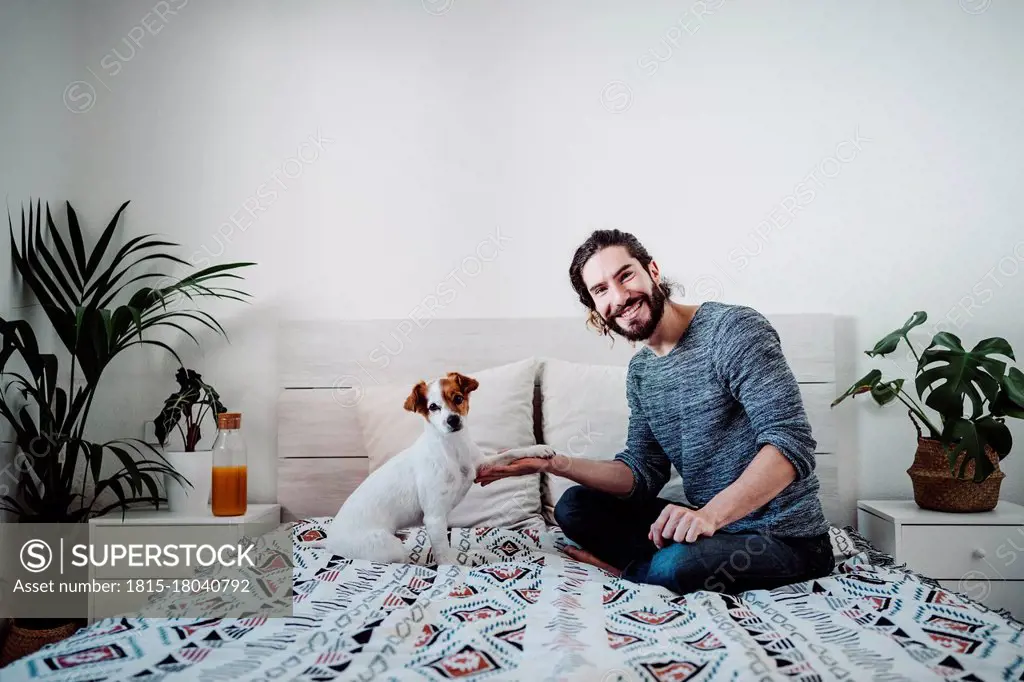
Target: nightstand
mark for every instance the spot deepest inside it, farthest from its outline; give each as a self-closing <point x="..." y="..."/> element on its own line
<point x="980" y="555"/>
<point x="164" y="528"/>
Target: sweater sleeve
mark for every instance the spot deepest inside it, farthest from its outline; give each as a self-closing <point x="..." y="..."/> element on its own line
<point x="643" y="454"/>
<point x="749" y="361"/>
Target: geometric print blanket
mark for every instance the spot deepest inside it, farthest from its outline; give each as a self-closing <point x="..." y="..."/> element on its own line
<point x="517" y="608"/>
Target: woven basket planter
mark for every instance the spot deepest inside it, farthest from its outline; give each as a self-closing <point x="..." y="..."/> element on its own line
<point x="937" y="489"/>
<point x="22" y="641"/>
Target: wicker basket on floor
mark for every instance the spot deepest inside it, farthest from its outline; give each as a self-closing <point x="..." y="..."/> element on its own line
<point x="24" y="641"/>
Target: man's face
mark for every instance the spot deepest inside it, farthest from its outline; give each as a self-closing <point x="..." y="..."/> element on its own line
<point x="624" y="294"/>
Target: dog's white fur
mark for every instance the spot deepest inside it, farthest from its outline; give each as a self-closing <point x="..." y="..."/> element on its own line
<point x="420" y="485"/>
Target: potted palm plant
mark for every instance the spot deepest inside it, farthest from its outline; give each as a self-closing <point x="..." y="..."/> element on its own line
<point x="98" y="308"/>
<point x="193" y="400"/>
<point x="956" y="466"/>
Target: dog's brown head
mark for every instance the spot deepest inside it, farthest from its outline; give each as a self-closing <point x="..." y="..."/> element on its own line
<point x="443" y="402"/>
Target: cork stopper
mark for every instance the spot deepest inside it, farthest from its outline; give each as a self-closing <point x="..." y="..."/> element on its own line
<point x="229" y="420"/>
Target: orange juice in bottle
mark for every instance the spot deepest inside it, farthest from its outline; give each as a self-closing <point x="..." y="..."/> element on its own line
<point x="230" y="468"/>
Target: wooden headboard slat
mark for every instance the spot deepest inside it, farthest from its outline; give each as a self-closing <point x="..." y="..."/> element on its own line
<point x="356" y="353"/>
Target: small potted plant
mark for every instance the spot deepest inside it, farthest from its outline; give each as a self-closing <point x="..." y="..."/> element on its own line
<point x="956" y="467"/>
<point x="191" y="403"/>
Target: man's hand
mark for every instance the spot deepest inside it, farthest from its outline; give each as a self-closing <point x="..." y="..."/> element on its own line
<point x="515" y="462"/>
<point x="489" y="473"/>
<point x="609" y="476"/>
<point x="680" y="524"/>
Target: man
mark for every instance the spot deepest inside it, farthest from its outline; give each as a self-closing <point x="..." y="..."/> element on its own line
<point x="711" y="394"/>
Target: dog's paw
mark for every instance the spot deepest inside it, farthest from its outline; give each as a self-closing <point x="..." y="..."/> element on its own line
<point x="513" y="454"/>
<point x="540" y="451"/>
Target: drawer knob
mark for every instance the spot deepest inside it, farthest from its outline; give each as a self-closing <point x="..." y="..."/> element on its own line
<point x="978" y="554"/>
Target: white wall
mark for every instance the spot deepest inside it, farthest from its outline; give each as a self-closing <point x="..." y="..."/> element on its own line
<point x="444" y="122"/>
<point x="38" y="149"/>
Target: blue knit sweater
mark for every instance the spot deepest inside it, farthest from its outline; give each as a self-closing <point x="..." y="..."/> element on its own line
<point x="708" y="406"/>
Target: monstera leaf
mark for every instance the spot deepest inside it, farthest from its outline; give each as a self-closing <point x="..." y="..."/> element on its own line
<point x="862" y="385"/>
<point x="951" y="376"/>
<point x="891" y="340"/>
<point x="964" y="375"/>
<point x="969" y="438"/>
<point x="1009" y="400"/>
<point x="884" y="392"/>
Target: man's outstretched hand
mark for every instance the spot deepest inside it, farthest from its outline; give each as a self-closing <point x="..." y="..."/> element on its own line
<point x="487" y="474"/>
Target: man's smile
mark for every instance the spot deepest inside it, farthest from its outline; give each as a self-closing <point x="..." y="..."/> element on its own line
<point x="631" y="312"/>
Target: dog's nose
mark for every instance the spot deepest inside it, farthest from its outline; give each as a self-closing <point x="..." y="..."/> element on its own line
<point x="453" y="421"/>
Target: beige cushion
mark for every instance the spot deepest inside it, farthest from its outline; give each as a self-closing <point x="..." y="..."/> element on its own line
<point x="500" y="416"/>
<point x="584" y="413"/>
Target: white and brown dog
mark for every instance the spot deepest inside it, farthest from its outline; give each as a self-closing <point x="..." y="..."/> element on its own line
<point x="421" y="484"/>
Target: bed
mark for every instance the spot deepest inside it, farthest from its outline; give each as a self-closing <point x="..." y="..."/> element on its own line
<point x="515" y="606"/>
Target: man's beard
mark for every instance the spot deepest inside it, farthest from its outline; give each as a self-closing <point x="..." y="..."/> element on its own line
<point x="655" y="303"/>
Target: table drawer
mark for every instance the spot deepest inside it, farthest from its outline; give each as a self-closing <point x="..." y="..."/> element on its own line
<point x="995" y="594"/>
<point x="951" y="552"/>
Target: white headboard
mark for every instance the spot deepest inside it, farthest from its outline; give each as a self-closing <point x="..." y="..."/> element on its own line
<point x="325" y="364"/>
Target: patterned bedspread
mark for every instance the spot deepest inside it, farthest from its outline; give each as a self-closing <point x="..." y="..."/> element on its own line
<point x="516" y="608"/>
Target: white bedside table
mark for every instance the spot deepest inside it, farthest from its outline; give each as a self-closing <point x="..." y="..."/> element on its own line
<point x="975" y="554"/>
<point x="165" y="527"/>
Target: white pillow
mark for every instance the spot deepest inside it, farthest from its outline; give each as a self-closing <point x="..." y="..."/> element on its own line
<point x="500" y="416"/>
<point x="585" y="414"/>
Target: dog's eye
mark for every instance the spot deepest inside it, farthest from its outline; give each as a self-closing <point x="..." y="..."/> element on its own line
<point x="433" y="407"/>
<point x="458" y="400"/>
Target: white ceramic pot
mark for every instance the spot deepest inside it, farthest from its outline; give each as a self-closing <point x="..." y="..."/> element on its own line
<point x="197" y="468"/>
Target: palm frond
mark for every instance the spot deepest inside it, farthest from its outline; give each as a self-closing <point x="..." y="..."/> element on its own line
<point x="101" y="246"/>
<point x="70" y="266"/>
<point x="77" y="243"/>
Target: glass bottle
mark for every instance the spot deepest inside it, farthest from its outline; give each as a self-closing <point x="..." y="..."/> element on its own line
<point x="230" y="467"/>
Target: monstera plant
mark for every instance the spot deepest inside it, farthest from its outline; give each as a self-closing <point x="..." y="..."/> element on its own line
<point x="973" y="392"/>
<point x="98" y="309"/>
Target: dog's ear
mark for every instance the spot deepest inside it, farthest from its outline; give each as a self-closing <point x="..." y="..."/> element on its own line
<point x="465" y="384"/>
<point x="417" y="400"/>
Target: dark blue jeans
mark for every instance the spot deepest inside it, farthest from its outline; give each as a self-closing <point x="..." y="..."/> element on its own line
<point x="615" y="531"/>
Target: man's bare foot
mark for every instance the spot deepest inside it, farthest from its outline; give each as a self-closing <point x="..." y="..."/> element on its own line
<point x="586" y="557"/>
